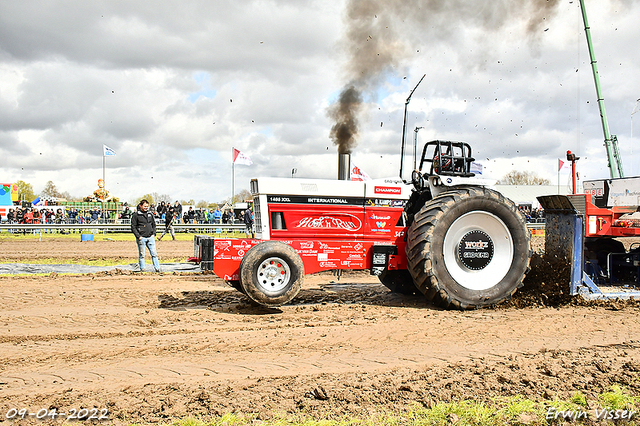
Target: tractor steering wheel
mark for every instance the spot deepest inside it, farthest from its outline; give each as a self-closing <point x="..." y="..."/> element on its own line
<point x="417" y="180"/>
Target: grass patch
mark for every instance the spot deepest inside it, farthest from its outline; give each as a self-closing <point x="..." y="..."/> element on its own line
<point x="619" y="399"/>
<point x="500" y="411"/>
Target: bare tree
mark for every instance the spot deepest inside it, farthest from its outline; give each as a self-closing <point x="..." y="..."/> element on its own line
<point x="516" y="177"/>
<point x="161" y="197"/>
<point x="50" y="190"/>
<point x="242" y="196"/>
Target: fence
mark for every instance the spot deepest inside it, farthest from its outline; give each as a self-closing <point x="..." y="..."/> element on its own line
<point x="67" y="228"/>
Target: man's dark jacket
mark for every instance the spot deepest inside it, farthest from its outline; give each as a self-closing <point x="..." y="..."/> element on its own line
<point x="143" y="224"/>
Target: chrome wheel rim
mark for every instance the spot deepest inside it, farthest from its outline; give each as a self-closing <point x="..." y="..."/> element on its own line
<point x="273" y="275"/>
<point x="478" y="250"/>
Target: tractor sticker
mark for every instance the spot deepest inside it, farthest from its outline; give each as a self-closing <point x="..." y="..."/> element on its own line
<point x="345" y="222"/>
<point x="306" y="245"/>
<point x="380" y="226"/>
<point x="323" y="257"/>
<point x="376" y="217"/>
<point x="324" y="246"/>
<point x="223" y="245"/>
<point x="244" y="245"/>
<point x="387" y="190"/>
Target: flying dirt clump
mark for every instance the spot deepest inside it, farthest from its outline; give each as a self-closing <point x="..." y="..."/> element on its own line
<point x="547" y="285"/>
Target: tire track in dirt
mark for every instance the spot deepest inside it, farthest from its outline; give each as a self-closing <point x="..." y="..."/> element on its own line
<point x="159" y="346"/>
<point x="273" y="351"/>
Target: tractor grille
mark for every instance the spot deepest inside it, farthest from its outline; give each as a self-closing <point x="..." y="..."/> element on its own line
<point x="579" y="202"/>
<point x="257" y="216"/>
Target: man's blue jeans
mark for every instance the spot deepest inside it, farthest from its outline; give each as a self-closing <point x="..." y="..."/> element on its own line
<point x="150" y="242"/>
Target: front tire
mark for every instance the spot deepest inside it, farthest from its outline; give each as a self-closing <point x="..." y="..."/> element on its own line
<point x="271" y="273"/>
<point x="468" y="248"/>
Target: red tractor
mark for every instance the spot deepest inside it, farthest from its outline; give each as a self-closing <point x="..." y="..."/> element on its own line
<point x="444" y="234"/>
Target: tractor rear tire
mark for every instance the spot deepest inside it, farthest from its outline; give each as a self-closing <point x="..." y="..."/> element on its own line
<point x="271" y="273"/>
<point x="398" y="281"/>
<point x="468" y="248"/>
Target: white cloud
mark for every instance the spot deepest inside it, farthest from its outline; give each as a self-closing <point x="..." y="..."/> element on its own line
<point x="173" y="87"/>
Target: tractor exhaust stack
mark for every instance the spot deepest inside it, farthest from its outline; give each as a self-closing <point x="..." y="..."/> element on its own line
<point x="344" y="166"/>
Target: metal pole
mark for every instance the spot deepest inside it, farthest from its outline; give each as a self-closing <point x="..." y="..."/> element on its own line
<point x="104" y="188"/>
<point x="233" y="175"/>
<point x="415" y="147"/>
<point x="404" y="124"/>
<point x="635" y="109"/>
<point x="610" y="142"/>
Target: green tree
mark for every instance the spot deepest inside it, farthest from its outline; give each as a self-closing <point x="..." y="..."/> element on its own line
<point x="25" y="191"/>
<point x="202" y="204"/>
<point x="516" y="177"/>
<point x="148" y="197"/>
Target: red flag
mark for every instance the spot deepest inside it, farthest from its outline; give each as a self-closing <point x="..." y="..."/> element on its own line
<point x="562" y="165"/>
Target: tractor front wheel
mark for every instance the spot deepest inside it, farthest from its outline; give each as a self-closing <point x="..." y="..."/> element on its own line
<point x="271" y="273"/>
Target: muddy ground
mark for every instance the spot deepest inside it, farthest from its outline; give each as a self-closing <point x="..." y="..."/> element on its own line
<point x="151" y="348"/>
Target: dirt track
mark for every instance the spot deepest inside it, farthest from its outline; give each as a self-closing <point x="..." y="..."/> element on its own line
<point x="155" y="347"/>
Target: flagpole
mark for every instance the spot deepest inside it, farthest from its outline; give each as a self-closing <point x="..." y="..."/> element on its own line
<point x="104" y="160"/>
<point x="233" y="175"/>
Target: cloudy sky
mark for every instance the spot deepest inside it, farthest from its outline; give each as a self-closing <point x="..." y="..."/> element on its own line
<point x="173" y="86"/>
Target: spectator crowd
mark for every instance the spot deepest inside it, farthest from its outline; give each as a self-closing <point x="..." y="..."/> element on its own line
<point x="533" y="216"/>
<point x="59" y="215"/>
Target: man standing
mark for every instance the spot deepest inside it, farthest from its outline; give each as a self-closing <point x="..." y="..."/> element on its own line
<point x="178" y="208"/>
<point x="168" y="222"/>
<point x="143" y="226"/>
<point x="248" y="221"/>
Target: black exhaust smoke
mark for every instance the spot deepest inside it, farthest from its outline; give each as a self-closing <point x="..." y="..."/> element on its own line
<point x="381" y="37"/>
<point x="344" y="113"/>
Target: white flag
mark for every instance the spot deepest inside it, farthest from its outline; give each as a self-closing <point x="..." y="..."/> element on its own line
<point x="358" y="174"/>
<point x="476" y="168"/>
<point x="107" y="152"/>
<point x="240" y="158"/>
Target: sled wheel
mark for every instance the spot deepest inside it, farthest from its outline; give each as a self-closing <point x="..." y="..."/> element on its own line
<point x="398" y="281"/>
<point x="468" y="248"/>
<point x="271" y="273"/>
